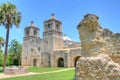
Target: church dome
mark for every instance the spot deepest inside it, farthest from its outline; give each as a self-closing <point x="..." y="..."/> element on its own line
<point x="67" y="38"/>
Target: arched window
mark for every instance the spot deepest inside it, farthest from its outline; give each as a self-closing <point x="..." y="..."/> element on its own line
<point x="48" y="27"/>
<point x="35" y="32"/>
<point x="57" y="27"/>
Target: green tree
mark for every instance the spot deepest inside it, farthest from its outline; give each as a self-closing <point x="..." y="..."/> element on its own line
<point x="15" y="50"/>
<point x="9" y="16"/>
<point x="1" y="58"/>
<point x="1" y="42"/>
<point x="1" y="52"/>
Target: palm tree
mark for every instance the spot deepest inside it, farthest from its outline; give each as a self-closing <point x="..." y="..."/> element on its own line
<point x="1" y="42"/>
<point x="9" y="16"/>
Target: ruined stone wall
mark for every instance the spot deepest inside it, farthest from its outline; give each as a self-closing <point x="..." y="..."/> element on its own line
<point x="97" y="68"/>
<point x="95" y="40"/>
<point x="100" y="49"/>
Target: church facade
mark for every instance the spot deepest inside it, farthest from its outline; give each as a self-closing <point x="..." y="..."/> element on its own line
<point x="53" y="50"/>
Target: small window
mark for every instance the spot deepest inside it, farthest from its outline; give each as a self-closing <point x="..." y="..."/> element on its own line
<point x="48" y="27"/>
<point x="35" y="32"/>
<point x="38" y="49"/>
<point x="57" y="27"/>
<point x="25" y="58"/>
<point x="31" y="50"/>
<point x="47" y="42"/>
<point x="27" y="32"/>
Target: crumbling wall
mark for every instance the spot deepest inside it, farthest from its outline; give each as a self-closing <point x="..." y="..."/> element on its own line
<point x="101" y="51"/>
<point x="95" y="40"/>
<point x="97" y="68"/>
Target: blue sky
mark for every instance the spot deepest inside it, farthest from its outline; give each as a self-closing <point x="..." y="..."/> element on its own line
<point x="68" y="11"/>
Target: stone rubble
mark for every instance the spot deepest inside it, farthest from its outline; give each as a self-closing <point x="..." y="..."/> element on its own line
<point x="97" y="68"/>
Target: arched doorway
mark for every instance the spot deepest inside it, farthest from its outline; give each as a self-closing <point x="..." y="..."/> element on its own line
<point x="34" y="62"/>
<point x="61" y="62"/>
<point x="75" y="60"/>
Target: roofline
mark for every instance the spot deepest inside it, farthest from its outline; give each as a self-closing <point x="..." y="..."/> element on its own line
<point x="53" y="20"/>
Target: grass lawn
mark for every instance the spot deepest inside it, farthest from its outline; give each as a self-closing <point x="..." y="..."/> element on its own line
<point x="43" y="69"/>
<point x="66" y="75"/>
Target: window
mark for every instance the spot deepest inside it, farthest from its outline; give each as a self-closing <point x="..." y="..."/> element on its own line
<point x="35" y="32"/>
<point x="48" y="27"/>
<point x="25" y="58"/>
<point x="38" y="48"/>
<point x="31" y="50"/>
<point x="47" y="42"/>
<point x="27" y="32"/>
<point x="57" y="27"/>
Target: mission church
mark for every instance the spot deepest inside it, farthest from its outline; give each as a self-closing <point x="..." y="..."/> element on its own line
<point x="53" y="50"/>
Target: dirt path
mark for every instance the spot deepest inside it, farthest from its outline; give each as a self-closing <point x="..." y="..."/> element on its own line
<point x="32" y="73"/>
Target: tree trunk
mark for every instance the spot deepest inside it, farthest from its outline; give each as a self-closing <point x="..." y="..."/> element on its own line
<point x="6" y="46"/>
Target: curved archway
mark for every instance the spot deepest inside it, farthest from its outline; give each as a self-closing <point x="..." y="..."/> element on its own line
<point x="34" y="62"/>
<point x="60" y="62"/>
<point x="75" y="60"/>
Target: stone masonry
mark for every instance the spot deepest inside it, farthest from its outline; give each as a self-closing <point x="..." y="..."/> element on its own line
<point x="101" y="50"/>
<point x="53" y="50"/>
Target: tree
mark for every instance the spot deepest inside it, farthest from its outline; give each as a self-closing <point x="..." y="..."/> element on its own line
<point x="1" y="58"/>
<point x="1" y="52"/>
<point x="1" y="42"/>
<point x="9" y="16"/>
<point x="15" y="50"/>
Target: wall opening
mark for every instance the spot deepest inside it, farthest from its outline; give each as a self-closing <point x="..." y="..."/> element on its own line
<point x="48" y="27"/>
<point x="61" y="62"/>
<point x="35" y="33"/>
<point x="34" y="62"/>
<point x="75" y="60"/>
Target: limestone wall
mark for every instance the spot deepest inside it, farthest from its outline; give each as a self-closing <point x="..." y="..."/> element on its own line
<point x="51" y="59"/>
<point x="95" y="40"/>
<point x="45" y="59"/>
<point x="74" y="55"/>
<point x="97" y="68"/>
<point x="100" y="49"/>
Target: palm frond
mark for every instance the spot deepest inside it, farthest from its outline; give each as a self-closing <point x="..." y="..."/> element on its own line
<point x="9" y="15"/>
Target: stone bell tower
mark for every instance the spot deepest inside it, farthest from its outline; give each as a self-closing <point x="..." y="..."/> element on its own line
<point x="31" y="31"/>
<point x="31" y="46"/>
<point x="52" y="34"/>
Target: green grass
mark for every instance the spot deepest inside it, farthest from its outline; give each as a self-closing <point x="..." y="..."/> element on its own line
<point x="43" y="69"/>
<point x="66" y="75"/>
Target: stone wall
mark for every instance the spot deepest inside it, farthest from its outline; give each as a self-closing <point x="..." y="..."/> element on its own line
<point x="69" y="56"/>
<point x="95" y="40"/>
<point x="101" y="51"/>
<point x="13" y="70"/>
<point x="97" y="68"/>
